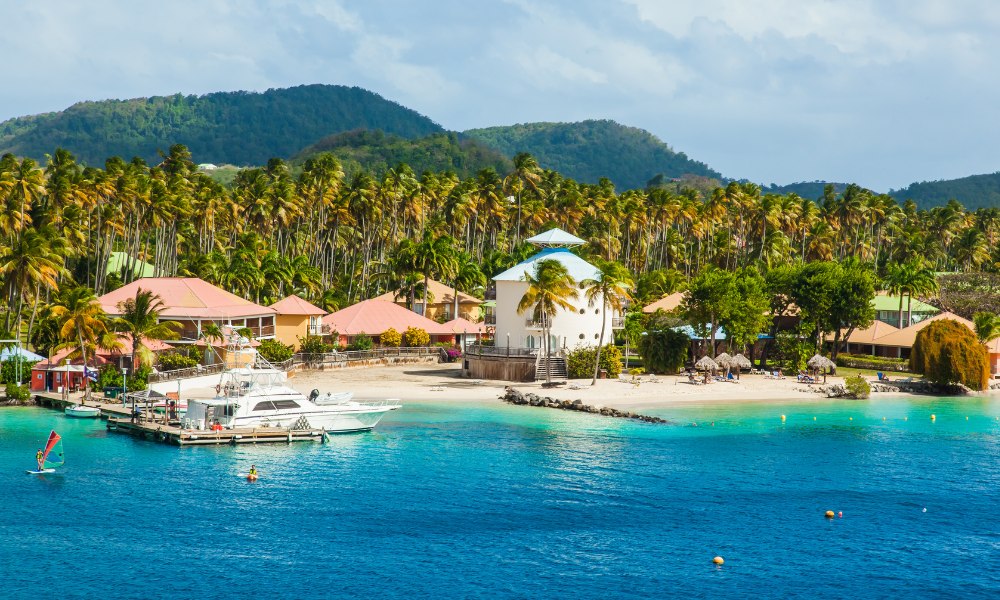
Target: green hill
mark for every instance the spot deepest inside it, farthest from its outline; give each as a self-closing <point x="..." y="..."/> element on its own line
<point x="812" y="190"/>
<point x="240" y="128"/>
<point x="589" y="150"/>
<point x="376" y="151"/>
<point x="975" y="191"/>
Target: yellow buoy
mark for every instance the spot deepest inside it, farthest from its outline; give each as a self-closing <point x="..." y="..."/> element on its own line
<point x="782" y="418"/>
<point x="814" y="418"/>
<point x="906" y="418"/>
<point x="933" y="417"/>
<point x="883" y="418"/>
<point x="829" y="514"/>
<point x="850" y="418"/>
<point x="966" y="418"/>
<point x="718" y="560"/>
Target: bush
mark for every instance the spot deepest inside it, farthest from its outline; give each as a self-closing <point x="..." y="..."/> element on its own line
<point x="793" y="351"/>
<point x="314" y="344"/>
<point x="876" y="363"/>
<point x="453" y="354"/>
<point x="274" y="351"/>
<point x="947" y="352"/>
<point x="580" y="361"/>
<point x="391" y="338"/>
<point x="171" y="361"/>
<point x="8" y="373"/>
<point x="857" y="387"/>
<point x="19" y="394"/>
<point x="109" y="376"/>
<point x="664" y="350"/>
<point x="415" y="337"/>
<point x="139" y="380"/>
<point x="361" y="342"/>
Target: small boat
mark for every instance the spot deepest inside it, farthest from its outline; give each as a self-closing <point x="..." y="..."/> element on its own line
<point x="81" y="411"/>
<point x="54" y="443"/>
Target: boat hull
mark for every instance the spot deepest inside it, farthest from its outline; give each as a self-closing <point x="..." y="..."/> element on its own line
<point x="349" y="420"/>
<point x="82" y="412"/>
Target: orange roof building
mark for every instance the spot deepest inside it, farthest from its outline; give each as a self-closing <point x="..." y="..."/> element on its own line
<point x="666" y="303"/>
<point x="296" y="318"/>
<point x="440" y="304"/>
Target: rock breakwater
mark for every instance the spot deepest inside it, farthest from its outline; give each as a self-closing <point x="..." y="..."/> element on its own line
<point x="513" y="396"/>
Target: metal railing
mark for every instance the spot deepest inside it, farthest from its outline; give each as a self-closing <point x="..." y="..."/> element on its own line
<point x="490" y="319"/>
<point x="185" y="373"/>
<point x="375" y="353"/>
<point x="479" y="350"/>
<point x="532" y="324"/>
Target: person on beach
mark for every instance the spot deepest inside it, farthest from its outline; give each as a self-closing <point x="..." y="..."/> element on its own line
<point x="40" y="459"/>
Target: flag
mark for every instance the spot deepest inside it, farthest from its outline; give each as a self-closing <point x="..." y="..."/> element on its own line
<point x="91" y="375"/>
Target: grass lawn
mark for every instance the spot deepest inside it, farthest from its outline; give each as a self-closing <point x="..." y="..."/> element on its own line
<point x="871" y="373"/>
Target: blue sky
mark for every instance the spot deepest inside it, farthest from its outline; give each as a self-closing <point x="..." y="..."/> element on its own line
<point x="878" y="93"/>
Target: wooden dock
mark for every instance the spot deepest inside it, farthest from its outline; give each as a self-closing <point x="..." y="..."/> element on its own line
<point x="153" y="426"/>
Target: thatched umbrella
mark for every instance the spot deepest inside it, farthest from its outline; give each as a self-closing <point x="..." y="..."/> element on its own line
<point x="821" y="362"/>
<point x="742" y="362"/>
<point x="724" y="360"/>
<point x="705" y="364"/>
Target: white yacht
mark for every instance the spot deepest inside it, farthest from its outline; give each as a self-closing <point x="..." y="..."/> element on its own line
<point x="260" y="397"/>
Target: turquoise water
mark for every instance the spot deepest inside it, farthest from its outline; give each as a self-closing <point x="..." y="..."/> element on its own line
<point x="496" y="501"/>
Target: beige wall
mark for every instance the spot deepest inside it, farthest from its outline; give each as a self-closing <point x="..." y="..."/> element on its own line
<point x="288" y="328"/>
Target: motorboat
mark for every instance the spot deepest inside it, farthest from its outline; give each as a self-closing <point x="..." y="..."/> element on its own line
<point x="81" y="411"/>
<point x="252" y="397"/>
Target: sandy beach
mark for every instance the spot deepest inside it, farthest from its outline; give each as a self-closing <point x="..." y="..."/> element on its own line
<point x="444" y="383"/>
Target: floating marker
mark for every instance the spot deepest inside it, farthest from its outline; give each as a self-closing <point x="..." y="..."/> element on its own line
<point x="829" y="514"/>
<point x="883" y="419"/>
<point x="906" y="418"/>
<point x="924" y="510"/>
<point x="782" y="418"/>
<point x="718" y="560"/>
<point x="840" y="514"/>
<point x="933" y="417"/>
<point x="850" y="418"/>
<point x="814" y="418"/>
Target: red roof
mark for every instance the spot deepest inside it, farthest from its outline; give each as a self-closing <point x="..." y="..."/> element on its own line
<point x="186" y="298"/>
<point x="374" y="317"/>
<point x="103" y="355"/>
<point x="293" y="305"/>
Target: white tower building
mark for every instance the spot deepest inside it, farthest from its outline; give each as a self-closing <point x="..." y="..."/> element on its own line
<point x="568" y="328"/>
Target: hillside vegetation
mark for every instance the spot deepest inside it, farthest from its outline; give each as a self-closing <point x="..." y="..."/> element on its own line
<point x="589" y="150"/>
<point x="975" y="191"/>
<point x="376" y="152"/>
<point x="240" y="128"/>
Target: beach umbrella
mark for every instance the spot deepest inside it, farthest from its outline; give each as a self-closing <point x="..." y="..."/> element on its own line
<point x="741" y="361"/>
<point x="705" y="364"/>
<point x="820" y="362"/>
<point x="724" y="360"/>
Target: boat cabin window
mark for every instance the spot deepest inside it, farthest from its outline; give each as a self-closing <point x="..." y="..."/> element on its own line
<point x="275" y="405"/>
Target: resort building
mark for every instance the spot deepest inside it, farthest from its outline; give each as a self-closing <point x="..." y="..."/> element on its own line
<point x="194" y="303"/>
<point x="296" y="318"/>
<point x="54" y="373"/>
<point x="666" y="304"/>
<point x="440" y="302"/>
<point x="887" y="310"/>
<point x="374" y="317"/>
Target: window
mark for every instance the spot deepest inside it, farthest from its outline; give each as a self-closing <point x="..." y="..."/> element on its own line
<point x="597" y="311"/>
<point x="266" y="405"/>
<point x="596" y="336"/>
<point x="285" y="404"/>
<point x="582" y="336"/>
<point x="583" y="311"/>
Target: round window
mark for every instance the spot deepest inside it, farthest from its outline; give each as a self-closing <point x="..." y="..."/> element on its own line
<point x="583" y="311"/>
<point x="581" y="337"/>
<point x="597" y="311"/>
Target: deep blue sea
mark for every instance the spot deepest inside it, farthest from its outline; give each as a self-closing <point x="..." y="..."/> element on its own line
<point x="495" y="501"/>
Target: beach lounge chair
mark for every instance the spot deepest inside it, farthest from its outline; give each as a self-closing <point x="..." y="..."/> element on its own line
<point x="881" y="376"/>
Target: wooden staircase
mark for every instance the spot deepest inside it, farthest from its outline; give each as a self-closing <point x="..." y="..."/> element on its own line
<point x="554" y="366"/>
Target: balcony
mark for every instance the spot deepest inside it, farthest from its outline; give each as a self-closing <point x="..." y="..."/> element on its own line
<point x="490" y="319"/>
<point x="617" y="322"/>
<point x="533" y="324"/>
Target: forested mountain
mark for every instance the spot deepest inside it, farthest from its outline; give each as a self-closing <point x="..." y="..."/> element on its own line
<point x="589" y="150"/>
<point x="806" y="189"/>
<point x="376" y="152"/>
<point x="975" y="191"/>
<point x="241" y="128"/>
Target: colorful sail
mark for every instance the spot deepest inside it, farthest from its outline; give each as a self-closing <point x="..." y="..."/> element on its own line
<point x="54" y="449"/>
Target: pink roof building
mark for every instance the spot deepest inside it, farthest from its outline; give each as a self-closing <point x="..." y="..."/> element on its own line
<point x="374" y="317"/>
<point x="194" y="302"/>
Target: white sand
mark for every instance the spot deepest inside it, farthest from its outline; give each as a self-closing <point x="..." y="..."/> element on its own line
<point x="444" y="383"/>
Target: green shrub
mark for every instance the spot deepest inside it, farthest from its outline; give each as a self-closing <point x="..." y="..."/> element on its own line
<point x="391" y="338"/>
<point x="793" y="351"/>
<point x="274" y="351"/>
<point x="664" y="350"/>
<point x="580" y="361"/>
<point x="314" y="344"/>
<point x="109" y="376"/>
<point x="857" y="387"/>
<point x="947" y="352"/>
<point x="361" y="342"/>
<point x="171" y="361"/>
<point x="19" y="394"/>
<point x="8" y="373"/>
<point x="415" y="337"/>
<point x="876" y="363"/>
<point x="139" y="380"/>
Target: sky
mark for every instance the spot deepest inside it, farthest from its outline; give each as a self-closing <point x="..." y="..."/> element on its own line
<point x="880" y="93"/>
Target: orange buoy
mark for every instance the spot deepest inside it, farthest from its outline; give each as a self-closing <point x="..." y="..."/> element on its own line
<point x="718" y="560"/>
<point x="829" y="514"/>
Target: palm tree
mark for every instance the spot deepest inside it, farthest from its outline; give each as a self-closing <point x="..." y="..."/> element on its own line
<point x="526" y="174"/>
<point x="27" y="266"/>
<point x="434" y="254"/>
<point x="906" y="279"/>
<point x="467" y="275"/>
<point x="141" y="320"/>
<point x="82" y="323"/>
<point x="987" y="326"/>
<point x="611" y="288"/>
<point x="549" y="290"/>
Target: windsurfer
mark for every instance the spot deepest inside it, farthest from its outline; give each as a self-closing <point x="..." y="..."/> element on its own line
<point x="40" y="459"/>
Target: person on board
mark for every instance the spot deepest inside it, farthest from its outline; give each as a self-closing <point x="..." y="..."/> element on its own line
<point x="40" y="459"/>
<point x="253" y="471"/>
